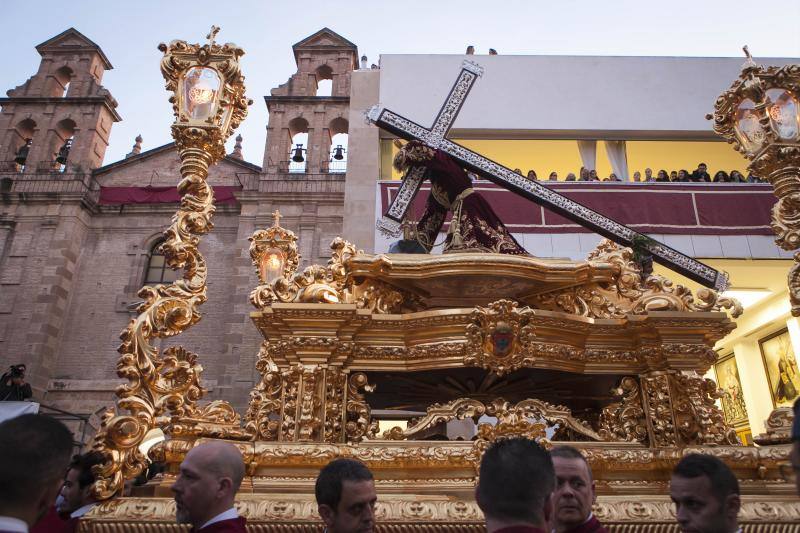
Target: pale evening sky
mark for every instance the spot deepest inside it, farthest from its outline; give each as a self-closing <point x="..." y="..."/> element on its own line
<point x="128" y="33"/>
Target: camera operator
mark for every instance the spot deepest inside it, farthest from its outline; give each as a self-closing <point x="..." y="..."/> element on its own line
<point x="13" y="387"/>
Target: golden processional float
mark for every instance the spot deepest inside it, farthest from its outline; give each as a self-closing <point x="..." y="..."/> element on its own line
<point x="596" y="353"/>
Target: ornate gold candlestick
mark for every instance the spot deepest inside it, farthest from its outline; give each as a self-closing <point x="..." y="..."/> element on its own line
<point x="760" y="116"/>
<point x="209" y="103"/>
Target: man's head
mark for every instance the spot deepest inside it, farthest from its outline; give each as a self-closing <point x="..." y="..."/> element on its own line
<point x="515" y="485"/>
<point x="574" y="494"/>
<point x="77" y="489"/>
<point x="706" y="495"/>
<point x="34" y="453"/>
<point x="648" y="173"/>
<point x="702" y="167"/>
<point x="593" y="174"/>
<point x="210" y="475"/>
<point x="584" y="173"/>
<point x="346" y="497"/>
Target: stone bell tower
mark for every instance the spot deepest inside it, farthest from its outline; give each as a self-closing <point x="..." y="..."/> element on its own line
<point x="62" y="112"/>
<point x="295" y="107"/>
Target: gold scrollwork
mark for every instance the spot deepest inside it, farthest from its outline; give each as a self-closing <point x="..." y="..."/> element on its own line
<point x="681" y="410"/>
<point x="779" y="427"/>
<point x="625" y="420"/>
<point x="170" y="382"/>
<point x="524" y="416"/>
<point x="628" y="293"/>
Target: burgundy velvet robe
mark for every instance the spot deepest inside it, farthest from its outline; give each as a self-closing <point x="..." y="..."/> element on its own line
<point x="520" y="529"/>
<point x="593" y="525"/>
<point x="479" y="226"/>
<point x="234" y="525"/>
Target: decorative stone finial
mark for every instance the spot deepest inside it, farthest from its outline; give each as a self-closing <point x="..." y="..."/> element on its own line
<point x="276" y="219"/>
<point x="237" y="148"/>
<point x="137" y="147"/>
<point x="363" y="62"/>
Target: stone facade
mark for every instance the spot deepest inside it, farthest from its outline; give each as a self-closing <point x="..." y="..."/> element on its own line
<point x="71" y="265"/>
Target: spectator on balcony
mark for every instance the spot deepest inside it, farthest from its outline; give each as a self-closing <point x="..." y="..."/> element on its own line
<point x="612" y="177"/>
<point x="593" y="175"/>
<point x="751" y="178"/>
<point x="700" y="174"/>
<point x="648" y="175"/>
<point x="570" y="177"/>
<point x="553" y="176"/>
<point x="532" y="175"/>
<point x="721" y="177"/>
<point x="584" y="174"/>
<point x="637" y="176"/>
<point x="673" y="176"/>
<point x="683" y="175"/>
<point x="736" y="177"/>
<point x="663" y="176"/>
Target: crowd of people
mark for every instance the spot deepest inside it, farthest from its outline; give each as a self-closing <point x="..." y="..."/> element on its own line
<point x="699" y="175"/>
<point x="522" y="487"/>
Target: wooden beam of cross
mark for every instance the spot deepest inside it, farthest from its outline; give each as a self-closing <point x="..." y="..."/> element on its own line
<point x="435" y="137"/>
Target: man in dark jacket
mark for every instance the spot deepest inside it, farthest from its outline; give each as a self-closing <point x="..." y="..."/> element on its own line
<point x="574" y="494"/>
<point x="700" y="174"/>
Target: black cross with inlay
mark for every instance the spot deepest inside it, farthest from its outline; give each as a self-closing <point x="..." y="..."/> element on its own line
<point x="435" y="137"/>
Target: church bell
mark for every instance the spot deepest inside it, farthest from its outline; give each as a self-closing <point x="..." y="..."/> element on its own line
<point x="63" y="153"/>
<point x="298" y="154"/>
<point x="22" y="154"/>
<point x="338" y="153"/>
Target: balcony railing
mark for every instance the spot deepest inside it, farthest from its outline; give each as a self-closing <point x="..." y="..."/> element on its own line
<point x="326" y="167"/>
<point x="281" y="182"/>
<point x="25" y="186"/>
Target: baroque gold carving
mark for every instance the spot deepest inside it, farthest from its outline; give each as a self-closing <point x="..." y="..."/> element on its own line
<point x="170" y="382"/>
<point x="681" y="410"/>
<point x="458" y="409"/>
<point x="359" y="423"/>
<point x="410" y="513"/>
<point x="779" y="427"/>
<point x="496" y="335"/>
<point x="329" y="284"/>
<point x="306" y="403"/>
<point x="625" y="420"/>
<point x="629" y="293"/>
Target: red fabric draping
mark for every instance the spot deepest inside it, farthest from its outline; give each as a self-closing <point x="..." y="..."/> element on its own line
<point x="223" y="194"/>
<point x="678" y="209"/>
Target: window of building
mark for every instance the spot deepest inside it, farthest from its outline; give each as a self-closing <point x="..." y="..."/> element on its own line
<point x="157" y="270"/>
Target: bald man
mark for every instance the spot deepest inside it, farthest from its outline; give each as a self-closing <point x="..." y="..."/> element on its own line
<point x="209" y="477"/>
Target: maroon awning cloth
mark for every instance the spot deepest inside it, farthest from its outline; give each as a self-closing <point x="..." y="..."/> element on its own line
<point x="678" y="209"/>
<point x="223" y="194"/>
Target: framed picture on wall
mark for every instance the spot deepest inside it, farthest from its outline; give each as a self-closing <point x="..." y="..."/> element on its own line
<point x="733" y="406"/>
<point x="780" y="365"/>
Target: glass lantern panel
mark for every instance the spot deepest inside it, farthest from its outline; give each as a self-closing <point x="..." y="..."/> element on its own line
<point x="783" y="114"/>
<point x="272" y="263"/>
<point x="748" y="129"/>
<point x="200" y="92"/>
